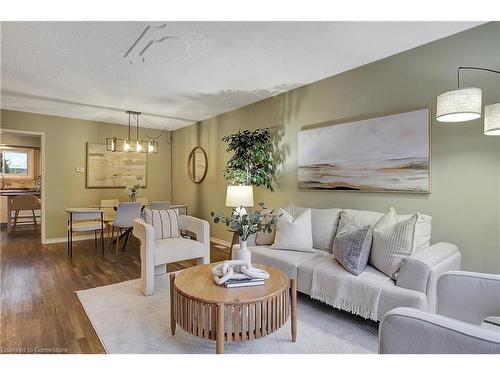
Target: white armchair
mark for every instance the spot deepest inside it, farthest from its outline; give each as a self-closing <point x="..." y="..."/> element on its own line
<point x="464" y="300"/>
<point x="156" y="254"/>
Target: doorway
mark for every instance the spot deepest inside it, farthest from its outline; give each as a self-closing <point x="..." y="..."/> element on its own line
<point x="21" y="183"/>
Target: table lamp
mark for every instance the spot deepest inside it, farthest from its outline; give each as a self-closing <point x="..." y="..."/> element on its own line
<point x="239" y="196"/>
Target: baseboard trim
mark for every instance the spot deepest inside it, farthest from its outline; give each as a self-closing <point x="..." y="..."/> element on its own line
<point x="220" y="241"/>
<point x="49" y="241"/>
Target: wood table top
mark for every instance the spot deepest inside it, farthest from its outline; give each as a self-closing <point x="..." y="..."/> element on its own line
<point x="15" y="193"/>
<point x="197" y="283"/>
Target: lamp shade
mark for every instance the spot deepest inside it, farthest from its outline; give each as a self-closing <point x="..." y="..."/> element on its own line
<point x="240" y="195"/>
<point x="492" y="119"/>
<point x="459" y="105"/>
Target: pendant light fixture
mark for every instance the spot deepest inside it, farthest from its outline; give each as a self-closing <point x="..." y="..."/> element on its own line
<point x="492" y="119"/>
<point x="462" y="104"/>
<point x="129" y="144"/>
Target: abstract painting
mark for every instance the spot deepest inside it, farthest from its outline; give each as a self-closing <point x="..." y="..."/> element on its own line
<point x="388" y="153"/>
<point x="106" y="169"/>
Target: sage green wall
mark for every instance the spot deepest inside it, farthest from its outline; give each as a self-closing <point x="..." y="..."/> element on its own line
<point x="65" y="140"/>
<point x="465" y="197"/>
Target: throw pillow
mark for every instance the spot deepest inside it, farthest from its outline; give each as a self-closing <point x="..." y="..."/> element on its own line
<point x="392" y="242"/>
<point x="352" y="249"/>
<point x="265" y="238"/>
<point x="294" y="234"/>
<point x="324" y="223"/>
<point x="164" y="222"/>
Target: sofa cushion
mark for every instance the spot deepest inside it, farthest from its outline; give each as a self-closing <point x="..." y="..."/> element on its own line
<point x="354" y="219"/>
<point x="170" y="250"/>
<point x="392" y="242"/>
<point x="294" y="233"/>
<point x="305" y="273"/>
<point x="285" y="260"/>
<point x="324" y="224"/>
<point x="352" y="249"/>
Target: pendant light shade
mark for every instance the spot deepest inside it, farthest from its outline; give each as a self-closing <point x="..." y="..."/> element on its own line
<point x="459" y="105"/>
<point x="492" y="119"/>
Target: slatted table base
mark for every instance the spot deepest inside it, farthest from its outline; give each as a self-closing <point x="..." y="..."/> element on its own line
<point x="233" y="322"/>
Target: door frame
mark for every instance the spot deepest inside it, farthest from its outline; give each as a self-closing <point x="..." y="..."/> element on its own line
<point x="42" y="180"/>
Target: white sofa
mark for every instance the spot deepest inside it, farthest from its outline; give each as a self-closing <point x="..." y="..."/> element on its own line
<point x="416" y="282"/>
<point x="156" y="254"/>
<point x="464" y="301"/>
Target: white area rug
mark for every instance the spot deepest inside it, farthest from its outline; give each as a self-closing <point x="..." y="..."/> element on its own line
<point x="128" y="322"/>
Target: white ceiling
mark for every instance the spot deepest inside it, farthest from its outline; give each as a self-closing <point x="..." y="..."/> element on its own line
<point x="202" y="69"/>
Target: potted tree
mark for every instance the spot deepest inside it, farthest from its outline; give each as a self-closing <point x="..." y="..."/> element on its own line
<point x="252" y="162"/>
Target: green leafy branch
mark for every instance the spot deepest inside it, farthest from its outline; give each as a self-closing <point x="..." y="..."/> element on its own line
<point x="248" y="223"/>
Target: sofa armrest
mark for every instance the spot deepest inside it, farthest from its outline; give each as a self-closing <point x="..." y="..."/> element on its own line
<point x="468" y="296"/>
<point x="405" y="330"/>
<point x="146" y="235"/>
<point x="202" y="230"/>
<point x="421" y="270"/>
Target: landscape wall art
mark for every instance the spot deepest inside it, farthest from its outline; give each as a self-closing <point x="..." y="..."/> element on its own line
<point x="106" y="169"/>
<point x="382" y="154"/>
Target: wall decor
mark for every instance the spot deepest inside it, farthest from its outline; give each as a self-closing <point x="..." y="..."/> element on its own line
<point x="382" y="154"/>
<point x="107" y="169"/>
<point x="197" y="165"/>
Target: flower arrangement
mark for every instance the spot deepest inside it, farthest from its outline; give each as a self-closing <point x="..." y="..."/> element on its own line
<point x="132" y="191"/>
<point x="247" y="223"/>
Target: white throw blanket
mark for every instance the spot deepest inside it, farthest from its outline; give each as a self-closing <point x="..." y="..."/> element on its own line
<point x="332" y="284"/>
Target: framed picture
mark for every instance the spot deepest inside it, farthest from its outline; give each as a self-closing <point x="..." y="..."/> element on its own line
<point x="106" y="169"/>
<point x="382" y="154"/>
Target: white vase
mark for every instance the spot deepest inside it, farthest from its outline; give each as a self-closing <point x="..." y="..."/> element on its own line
<point x="243" y="253"/>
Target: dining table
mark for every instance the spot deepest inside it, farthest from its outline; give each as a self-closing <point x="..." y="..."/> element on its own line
<point x="110" y="216"/>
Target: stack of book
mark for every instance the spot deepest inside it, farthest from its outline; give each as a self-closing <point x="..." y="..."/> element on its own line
<point x="243" y="282"/>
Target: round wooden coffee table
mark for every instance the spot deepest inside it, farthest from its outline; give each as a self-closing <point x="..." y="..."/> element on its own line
<point x="204" y="309"/>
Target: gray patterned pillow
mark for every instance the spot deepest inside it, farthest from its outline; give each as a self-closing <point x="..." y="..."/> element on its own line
<point x="352" y="249"/>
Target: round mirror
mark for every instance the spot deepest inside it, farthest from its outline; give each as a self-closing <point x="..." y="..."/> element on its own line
<point x="197" y="165"/>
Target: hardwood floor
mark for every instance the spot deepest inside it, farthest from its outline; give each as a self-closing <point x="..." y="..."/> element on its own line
<point x="40" y="312"/>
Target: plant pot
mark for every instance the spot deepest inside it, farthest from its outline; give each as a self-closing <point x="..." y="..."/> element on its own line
<point x="243" y="253"/>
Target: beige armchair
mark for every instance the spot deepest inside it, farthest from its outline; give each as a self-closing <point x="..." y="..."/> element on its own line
<point x="464" y="301"/>
<point x="156" y="254"/>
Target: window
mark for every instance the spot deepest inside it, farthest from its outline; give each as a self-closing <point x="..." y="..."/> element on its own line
<point x="15" y="162"/>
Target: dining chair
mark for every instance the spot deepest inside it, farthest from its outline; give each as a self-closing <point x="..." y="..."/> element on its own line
<point x="109" y="208"/>
<point x="160" y="205"/>
<point x="124" y="221"/>
<point x="25" y="203"/>
<point x="85" y="220"/>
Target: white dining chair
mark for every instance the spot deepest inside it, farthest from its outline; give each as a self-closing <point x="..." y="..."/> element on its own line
<point x="109" y="208"/>
<point x="85" y="220"/>
<point x="160" y="205"/>
<point x="124" y="221"/>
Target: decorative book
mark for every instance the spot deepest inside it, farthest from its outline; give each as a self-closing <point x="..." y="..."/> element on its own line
<point x="243" y="283"/>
